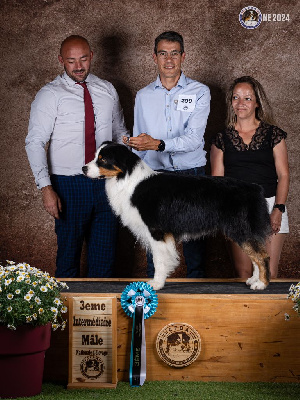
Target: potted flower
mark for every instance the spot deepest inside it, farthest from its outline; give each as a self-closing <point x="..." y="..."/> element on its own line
<point x="30" y="305"/>
<point x="294" y="295"/>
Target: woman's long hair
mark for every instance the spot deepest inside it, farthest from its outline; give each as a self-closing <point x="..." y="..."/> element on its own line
<point x="263" y="112"/>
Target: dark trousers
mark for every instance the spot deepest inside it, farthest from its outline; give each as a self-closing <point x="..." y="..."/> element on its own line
<point x="86" y="216"/>
<point x="194" y="250"/>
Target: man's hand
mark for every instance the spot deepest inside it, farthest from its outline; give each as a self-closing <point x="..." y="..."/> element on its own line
<point x="142" y="142"/>
<point x="51" y="201"/>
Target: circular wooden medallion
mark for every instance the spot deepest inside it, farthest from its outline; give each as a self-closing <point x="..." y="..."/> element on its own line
<point x="178" y="344"/>
<point x="92" y="367"/>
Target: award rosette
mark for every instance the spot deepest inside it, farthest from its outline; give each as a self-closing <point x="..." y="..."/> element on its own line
<point x="139" y="301"/>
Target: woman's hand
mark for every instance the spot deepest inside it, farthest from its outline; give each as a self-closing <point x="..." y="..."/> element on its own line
<point x="276" y="217"/>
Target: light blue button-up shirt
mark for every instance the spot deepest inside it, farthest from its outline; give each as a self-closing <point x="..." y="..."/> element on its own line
<point x="158" y="113"/>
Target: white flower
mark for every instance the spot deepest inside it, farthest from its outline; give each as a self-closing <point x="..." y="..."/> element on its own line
<point x="27" y="297"/>
<point x="64" y="309"/>
<point x="19" y="291"/>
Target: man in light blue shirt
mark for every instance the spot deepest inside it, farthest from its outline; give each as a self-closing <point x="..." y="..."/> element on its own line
<point x="170" y="118"/>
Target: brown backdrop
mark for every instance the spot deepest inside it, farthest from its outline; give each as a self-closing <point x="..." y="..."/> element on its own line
<point x="121" y="34"/>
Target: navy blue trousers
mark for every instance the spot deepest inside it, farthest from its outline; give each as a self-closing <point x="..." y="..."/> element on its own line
<point x="194" y="250"/>
<point x="86" y="215"/>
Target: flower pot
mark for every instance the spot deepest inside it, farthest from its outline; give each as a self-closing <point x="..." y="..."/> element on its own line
<point x="22" y="353"/>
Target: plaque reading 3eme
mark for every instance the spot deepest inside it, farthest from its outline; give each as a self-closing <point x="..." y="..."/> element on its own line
<point x="92" y="342"/>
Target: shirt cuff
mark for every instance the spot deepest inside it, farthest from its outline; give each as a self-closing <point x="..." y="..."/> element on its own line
<point x="43" y="182"/>
<point x="168" y="145"/>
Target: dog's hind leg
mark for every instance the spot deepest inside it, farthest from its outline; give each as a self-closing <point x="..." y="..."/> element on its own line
<point x="260" y="261"/>
<point x="165" y="258"/>
<point x="255" y="277"/>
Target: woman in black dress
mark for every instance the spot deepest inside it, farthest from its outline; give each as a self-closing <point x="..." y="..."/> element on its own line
<point x="253" y="149"/>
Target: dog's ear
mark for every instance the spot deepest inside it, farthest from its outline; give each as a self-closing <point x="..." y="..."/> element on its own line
<point x="120" y="156"/>
<point x="126" y="160"/>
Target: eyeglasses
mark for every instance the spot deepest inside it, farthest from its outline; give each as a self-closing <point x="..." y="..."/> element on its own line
<point x="173" y="54"/>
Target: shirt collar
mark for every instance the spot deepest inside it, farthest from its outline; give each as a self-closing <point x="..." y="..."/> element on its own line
<point x="71" y="82"/>
<point x="182" y="82"/>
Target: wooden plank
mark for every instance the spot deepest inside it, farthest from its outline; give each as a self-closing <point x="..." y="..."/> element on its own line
<point x="92" y="305"/>
<point x="241" y="340"/>
<point x="104" y="385"/>
<point x="92" y="342"/>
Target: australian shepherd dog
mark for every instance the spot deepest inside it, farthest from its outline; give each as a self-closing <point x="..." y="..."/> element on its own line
<point x="160" y="208"/>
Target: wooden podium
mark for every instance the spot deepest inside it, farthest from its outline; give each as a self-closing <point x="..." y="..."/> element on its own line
<point x="244" y="335"/>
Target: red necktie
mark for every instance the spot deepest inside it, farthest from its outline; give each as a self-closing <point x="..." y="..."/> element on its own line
<point x="90" y="140"/>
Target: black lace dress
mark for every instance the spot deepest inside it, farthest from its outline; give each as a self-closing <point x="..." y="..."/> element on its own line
<point x="254" y="162"/>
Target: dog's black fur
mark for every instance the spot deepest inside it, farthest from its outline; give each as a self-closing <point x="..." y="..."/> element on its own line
<point x="202" y="206"/>
<point x="185" y="207"/>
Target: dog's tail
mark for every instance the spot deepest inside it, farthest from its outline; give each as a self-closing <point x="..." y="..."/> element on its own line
<point x="259" y="218"/>
<point x="254" y="226"/>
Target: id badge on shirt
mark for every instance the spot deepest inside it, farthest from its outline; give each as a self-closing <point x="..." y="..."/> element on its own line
<point x="186" y="102"/>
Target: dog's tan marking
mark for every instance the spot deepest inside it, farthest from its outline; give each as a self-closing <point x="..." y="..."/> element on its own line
<point x="169" y="236"/>
<point x="110" y="173"/>
<point x="262" y="260"/>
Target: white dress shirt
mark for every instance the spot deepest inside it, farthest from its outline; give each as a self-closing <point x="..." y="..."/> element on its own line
<point x="57" y="116"/>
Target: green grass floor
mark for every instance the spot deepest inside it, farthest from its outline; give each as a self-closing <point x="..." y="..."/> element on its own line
<point x="165" y="390"/>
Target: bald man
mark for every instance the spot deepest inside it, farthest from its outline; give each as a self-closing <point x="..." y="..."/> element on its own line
<point x="79" y="205"/>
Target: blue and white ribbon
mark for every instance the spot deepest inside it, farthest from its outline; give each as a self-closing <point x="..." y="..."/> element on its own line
<point x="139" y="301"/>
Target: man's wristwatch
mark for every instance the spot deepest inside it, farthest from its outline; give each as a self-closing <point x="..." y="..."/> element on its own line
<point x="161" y="146"/>
<point x="281" y="207"/>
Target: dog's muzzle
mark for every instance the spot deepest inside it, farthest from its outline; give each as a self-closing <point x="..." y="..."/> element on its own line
<point x="85" y="170"/>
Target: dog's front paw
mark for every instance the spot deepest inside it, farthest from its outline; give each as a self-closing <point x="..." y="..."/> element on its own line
<point x="156" y="284"/>
<point x="251" y="281"/>
<point x="258" y="285"/>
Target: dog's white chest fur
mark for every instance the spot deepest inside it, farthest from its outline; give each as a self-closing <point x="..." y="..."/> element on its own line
<point x="119" y="192"/>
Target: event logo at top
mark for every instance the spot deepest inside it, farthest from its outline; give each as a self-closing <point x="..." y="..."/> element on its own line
<point x="250" y="17"/>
